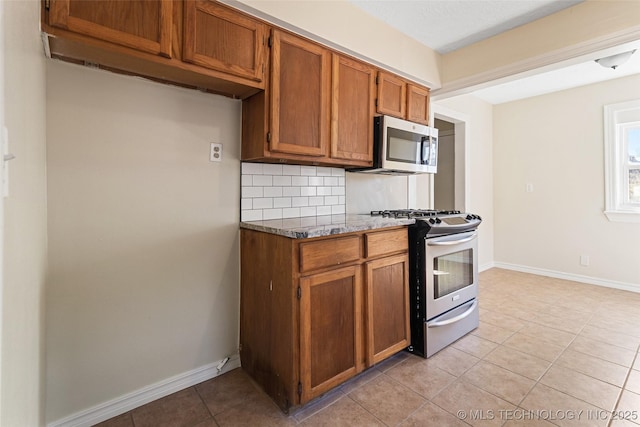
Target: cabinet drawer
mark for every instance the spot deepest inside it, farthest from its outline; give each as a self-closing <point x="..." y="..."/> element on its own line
<point x="386" y="242"/>
<point x="329" y="253"/>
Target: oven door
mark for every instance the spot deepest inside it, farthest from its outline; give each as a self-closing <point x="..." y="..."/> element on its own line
<point x="451" y="271"/>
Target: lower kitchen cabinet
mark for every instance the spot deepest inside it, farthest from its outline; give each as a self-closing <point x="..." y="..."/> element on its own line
<point x="316" y="312"/>
<point x="387" y="302"/>
<point x="330" y="329"/>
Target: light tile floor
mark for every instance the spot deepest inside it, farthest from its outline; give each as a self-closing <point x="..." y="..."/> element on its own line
<point x="547" y="352"/>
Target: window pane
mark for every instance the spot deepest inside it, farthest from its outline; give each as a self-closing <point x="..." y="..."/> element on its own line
<point x="634" y="186"/>
<point x="633" y="147"/>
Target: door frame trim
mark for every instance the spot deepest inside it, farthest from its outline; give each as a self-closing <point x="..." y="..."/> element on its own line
<point x="462" y="125"/>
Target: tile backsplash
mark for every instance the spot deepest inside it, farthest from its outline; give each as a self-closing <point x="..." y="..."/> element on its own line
<point x="272" y="191"/>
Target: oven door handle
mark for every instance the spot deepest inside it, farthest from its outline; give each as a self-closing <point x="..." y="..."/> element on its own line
<point x="452" y="242"/>
<point x="454" y="319"/>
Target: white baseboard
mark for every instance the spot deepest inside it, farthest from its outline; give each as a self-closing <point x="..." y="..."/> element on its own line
<point x="569" y="276"/>
<point x="129" y="401"/>
<point x="486" y="266"/>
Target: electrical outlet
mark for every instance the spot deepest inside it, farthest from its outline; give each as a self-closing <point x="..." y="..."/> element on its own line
<point x="529" y="188"/>
<point x="215" y="155"/>
<point x="584" y="260"/>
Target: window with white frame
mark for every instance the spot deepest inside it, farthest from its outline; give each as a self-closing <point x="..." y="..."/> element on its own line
<point x="622" y="161"/>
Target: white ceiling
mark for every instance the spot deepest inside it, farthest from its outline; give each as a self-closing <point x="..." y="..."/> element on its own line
<point x="565" y="77"/>
<point x="447" y="25"/>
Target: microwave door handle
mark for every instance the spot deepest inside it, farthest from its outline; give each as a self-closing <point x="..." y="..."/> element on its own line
<point x="425" y="145"/>
<point x="433" y="150"/>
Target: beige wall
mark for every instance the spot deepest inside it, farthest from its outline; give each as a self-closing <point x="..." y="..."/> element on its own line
<point x="480" y="168"/>
<point x="143" y="234"/>
<point x="350" y="29"/>
<point x="555" y="143"/>
<point x="25" y="244"/>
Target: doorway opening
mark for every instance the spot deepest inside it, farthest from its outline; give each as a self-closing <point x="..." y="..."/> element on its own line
<point x="450" y="185"/>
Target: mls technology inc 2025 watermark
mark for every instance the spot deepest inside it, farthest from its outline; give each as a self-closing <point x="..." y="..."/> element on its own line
<point x="546" y="414"/>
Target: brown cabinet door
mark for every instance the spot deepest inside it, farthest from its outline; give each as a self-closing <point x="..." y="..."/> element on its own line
<point x="352" y="110"/>
<point x="219" y="38"/>
<point x="418" y="104"/>
<point x="300" y="82"/>
<point x="330" y="330"/>
<point x="387" y="307"/>
<point x="392" y="95"/>
<point x="144" y="25"/>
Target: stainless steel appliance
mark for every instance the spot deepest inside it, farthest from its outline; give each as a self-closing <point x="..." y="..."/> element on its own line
<point x="401" y="147"/>
<point x="443" y="277"/>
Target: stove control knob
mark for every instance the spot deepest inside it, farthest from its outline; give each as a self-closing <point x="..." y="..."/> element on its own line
<point x="469" y="217"/>
<point x="432" y="221"/>
<point x="438" y="220"/>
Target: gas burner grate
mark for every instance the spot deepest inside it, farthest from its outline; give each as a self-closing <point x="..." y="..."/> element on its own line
<point x="411" y="213"/>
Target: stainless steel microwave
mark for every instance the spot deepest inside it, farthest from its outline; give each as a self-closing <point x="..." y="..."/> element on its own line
<point x="401" y="147"/>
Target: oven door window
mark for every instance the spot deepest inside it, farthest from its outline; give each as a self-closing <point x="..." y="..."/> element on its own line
<point x="452" y="272"/>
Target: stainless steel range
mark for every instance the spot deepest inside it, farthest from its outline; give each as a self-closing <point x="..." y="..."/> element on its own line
<point x="443" y="278"/>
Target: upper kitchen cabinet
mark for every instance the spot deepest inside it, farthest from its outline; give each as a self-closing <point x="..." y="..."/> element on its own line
<point x="289" y="121"/>
<point x="144" y="25"/>
<point x="219" y="38"/>
<point x="300" y="84"/>
<point x="392" y="95"/>
<point x="318" y="107"/>
<point x="400" y="98"/>
<point x="197" y="44"/>
<point x="352" y="111"/>
<point x="417" y="104"/>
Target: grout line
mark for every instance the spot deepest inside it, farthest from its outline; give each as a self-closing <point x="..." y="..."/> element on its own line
<point x="556" y="359"/>
<point x="624" y="385"/>
<point x="551" y="364"/>
<point x="336" y="394"/>
<point x="204" y="403"/>
<point x="365" y="409"/>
